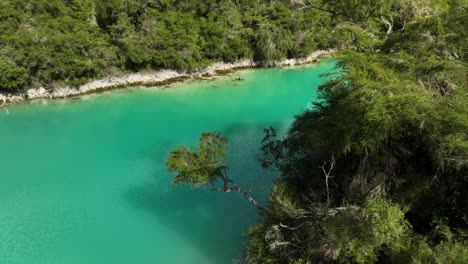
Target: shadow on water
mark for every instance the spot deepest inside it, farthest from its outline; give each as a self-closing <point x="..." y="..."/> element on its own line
<point x="212" y="222"/>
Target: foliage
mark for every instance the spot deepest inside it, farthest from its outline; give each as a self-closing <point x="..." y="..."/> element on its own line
<point x="345" y="235"/>
<point x="201" y="166"/>
<point x="12" y="76"/>
<point x="67" y="42"/>
<point x="393" y="118"/>
<point x="368" y="230"/>
<point x="206" y="165"/>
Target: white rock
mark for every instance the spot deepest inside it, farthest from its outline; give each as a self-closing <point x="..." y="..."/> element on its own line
<point x="149" y="77"/>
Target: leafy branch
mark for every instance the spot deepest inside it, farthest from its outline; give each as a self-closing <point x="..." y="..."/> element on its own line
<point x="205" y="166"/>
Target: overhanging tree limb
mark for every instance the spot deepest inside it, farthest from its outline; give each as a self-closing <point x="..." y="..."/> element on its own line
<point x="206" y="165"/>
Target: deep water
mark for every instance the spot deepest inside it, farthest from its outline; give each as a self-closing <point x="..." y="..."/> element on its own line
<point x="83" y="180"/>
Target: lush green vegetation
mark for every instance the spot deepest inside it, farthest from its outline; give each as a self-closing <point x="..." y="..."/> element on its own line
<point x="67" y="42"/>
<point x="377" y="171"/>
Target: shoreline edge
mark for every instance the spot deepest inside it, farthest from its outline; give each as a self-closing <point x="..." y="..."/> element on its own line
<point x="150" y="78"/>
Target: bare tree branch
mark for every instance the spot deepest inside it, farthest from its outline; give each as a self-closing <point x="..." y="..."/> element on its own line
<point x="327" y="173"/>
<point x="246" y="194"/>
<point x="293" y="228"/>
<point x="389" y="25"/>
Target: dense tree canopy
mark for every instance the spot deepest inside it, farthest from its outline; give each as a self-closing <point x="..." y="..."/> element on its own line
<point x="393" y="123"/>
<point x="67" y="42"/>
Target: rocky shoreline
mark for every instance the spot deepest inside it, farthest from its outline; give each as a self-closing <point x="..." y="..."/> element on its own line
<point x="150" y="78"/>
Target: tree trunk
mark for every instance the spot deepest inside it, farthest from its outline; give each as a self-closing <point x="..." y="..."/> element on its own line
<point x="238" y="189"/>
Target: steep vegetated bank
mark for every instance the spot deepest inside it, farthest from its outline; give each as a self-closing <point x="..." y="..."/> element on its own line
<point x="62" y="43"/>
<point x="377" y="171"/>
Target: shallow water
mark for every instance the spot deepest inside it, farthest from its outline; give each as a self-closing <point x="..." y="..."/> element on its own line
<point x="84" y="181"/>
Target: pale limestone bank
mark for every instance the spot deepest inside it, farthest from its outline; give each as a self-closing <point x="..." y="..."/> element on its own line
<point x="150" y="78"/>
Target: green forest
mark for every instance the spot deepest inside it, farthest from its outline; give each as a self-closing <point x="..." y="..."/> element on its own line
<point x="375" y="172"/>
<point x="68" y="42"/>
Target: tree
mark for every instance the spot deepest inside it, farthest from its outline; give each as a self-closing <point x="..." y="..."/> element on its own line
<point x="12" y="77"/>
<point x="352" y="234"/>
<point x="206" y="166"/>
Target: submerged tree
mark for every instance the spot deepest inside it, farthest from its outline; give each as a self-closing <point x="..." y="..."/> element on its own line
<point x="206" y="166"/>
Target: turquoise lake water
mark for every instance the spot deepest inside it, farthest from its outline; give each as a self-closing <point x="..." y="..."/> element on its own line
<point x="84" y="181"/>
